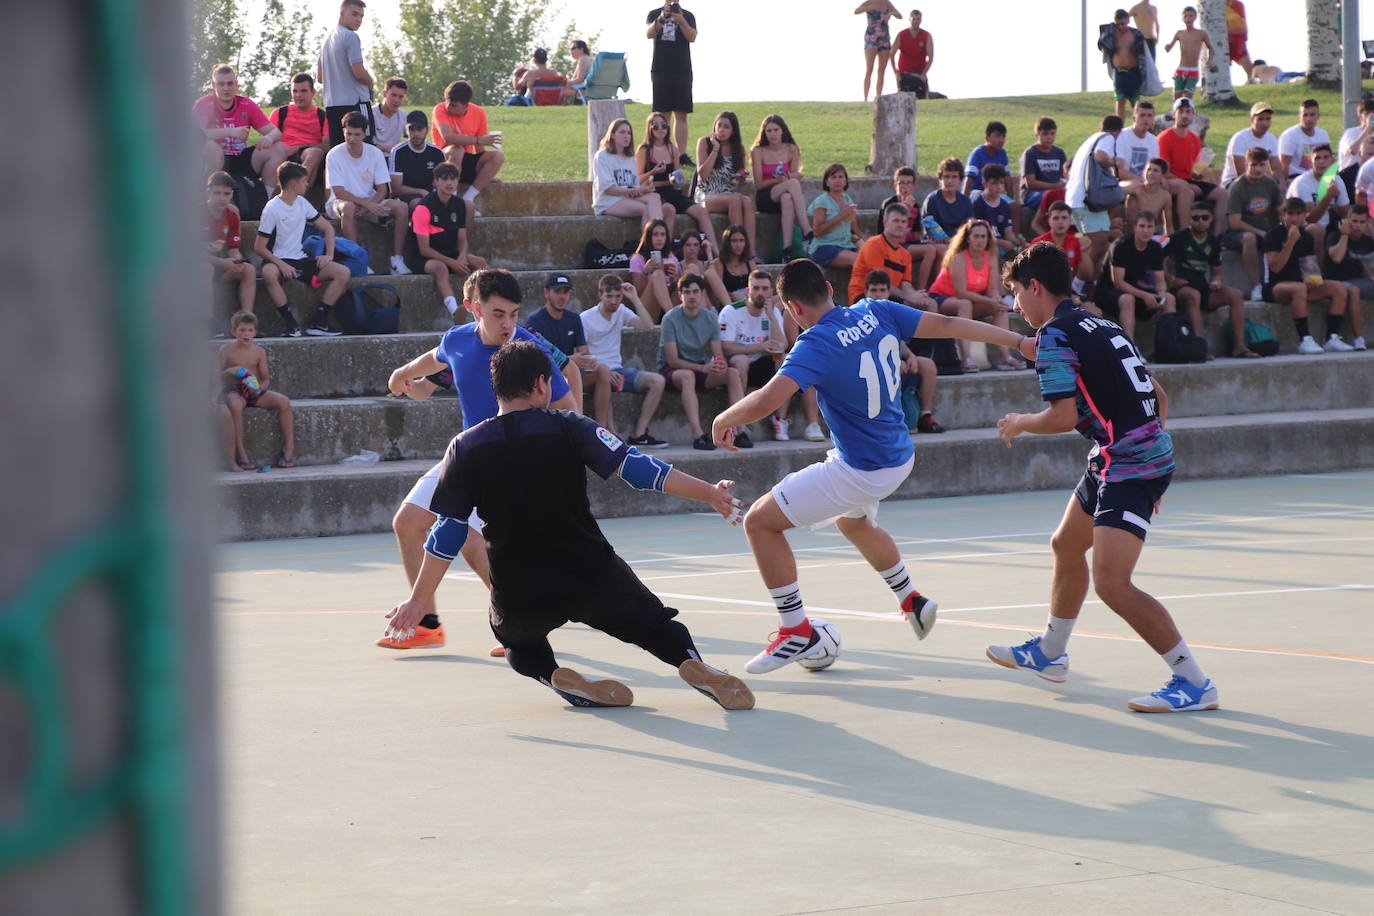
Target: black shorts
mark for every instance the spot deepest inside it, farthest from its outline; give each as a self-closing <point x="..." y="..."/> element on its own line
<point x="240" y="163"/>
<point x="467" y="172"/>
<point x="764" y="202"/>
<point x="672" y="91"/>
<point x="613" y="601"/>
<point x="668" y="376"/>
<point x="1204" y="291"/>
<point x="1203" y="187"/>
<point x="673" y="197"/>
<point x="1106" y="298"/>
<point x="305" y="267"/>
<point x="761" y="370"/>
<point x="1124" y="504"/>
<point x="1234" y="239"/>
<point x="335" y="114"/>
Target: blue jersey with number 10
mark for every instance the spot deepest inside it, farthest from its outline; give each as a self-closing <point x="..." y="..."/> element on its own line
<point x="853" y="358"/>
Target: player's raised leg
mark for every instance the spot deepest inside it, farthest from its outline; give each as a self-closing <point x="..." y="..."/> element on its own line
<point x="881" y="552"/>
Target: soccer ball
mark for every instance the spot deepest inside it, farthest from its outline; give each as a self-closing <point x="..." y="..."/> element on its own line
<point x="827" y="650"/>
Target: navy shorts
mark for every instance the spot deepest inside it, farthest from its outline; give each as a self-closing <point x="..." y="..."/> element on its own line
<point x="1124" y="504"/>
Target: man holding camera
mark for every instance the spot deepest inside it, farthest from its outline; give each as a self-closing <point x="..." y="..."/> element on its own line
<point x="672" y="30"/>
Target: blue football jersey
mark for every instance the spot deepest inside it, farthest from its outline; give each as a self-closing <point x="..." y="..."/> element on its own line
<point x="853" y="358"/>
<point x="463" y="351"/>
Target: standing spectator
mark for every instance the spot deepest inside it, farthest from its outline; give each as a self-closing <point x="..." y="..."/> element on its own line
<point x="835" y="236"/>
<point x="1252" y="209"/>
<point x="304" y="133"/>
<point x="1196" y="277"/>
<point x="887" y="251"/>
<point x="654" y="268"/>
<point x="691" y="260"/>
<point x="1180" y="147"/>
<point x="243" y="365"/>
<point x="224" y="247"/>
<point x="776" y="162"/>
<point x="347" y="84"/>
<point x="970" y="286"/>
<point x="991" y="150"/>
<point x="919" y="373"/>
<point x="388" y="117"/>
<point x="1135" y="261"/>
<point x="1094" y="224"/>
<point x="915" y="55"/>
<point x="1292" y="260"/>
<point x="945" y="208"/>
<point x="1061" y="235"/>
<point x="1242" y="141"/>
<point x="1349" y="150"/>
<point x="1348" y="250"/>
<point x="1190" y="43"/>
<point x="1237" y="33"/>
<point x="1147" y="20"/>
<point x="617" y="189"/>
<point x="359" y="180"/>
<point x="993" y="207"/>
<point x="720" y="169"/>
<point x="563" y="330"/>
<point x="657" y="158"/>
<point x="1044" y="166"/>
<point x="926" y="254"/>
<point x="226" y="119"/>
<point x="1123" y="50"/>
<point x="280" y="233"/>
<point x="1296" y="143"/>
<point x="412" y="163"/>
<point x="460" y="130"/>
<point x="672" y="30"/>
<point x="603" y="327"/>
<point x="1152" y="195"/>
<point x="877" y="40"/>
<point x="753" y="341"/>
<point x="692" y="360"/>
<point x="734" y="263"/>
<point x="438" y="245"/>
<point x="1324" y="196"/>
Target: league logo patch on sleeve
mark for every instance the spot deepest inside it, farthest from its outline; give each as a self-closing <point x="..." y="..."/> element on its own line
<point x="608" y="438"/>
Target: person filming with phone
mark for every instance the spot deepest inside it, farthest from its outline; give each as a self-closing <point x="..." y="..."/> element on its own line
<point x="672" y="30"/>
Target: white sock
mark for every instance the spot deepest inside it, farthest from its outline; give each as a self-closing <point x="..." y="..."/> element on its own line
<point x="897" y="580"/>
<point x="1055" y="642"/>
<point x="470" y="195"/>
<point x="1180" y="659"/>
<point x="451" y="304"/>
<point x="790" y="607"/>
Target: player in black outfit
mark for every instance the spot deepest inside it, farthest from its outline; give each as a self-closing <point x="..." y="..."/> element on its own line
<point x="524" y="471"/>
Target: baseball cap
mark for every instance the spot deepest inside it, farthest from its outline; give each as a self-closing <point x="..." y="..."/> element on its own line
<point x="1261" y="108"/>
<point x="1184" y="102"/>
<point x="416" y="118"/>
<point x="556" y="281"/>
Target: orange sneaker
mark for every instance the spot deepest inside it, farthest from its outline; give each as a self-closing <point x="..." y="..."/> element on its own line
<point x="424" y="638"/>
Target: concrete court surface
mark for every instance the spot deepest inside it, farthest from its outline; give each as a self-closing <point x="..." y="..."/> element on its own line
<point x="913" y="777"/>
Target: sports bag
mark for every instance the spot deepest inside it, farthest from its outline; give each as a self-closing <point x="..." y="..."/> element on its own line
<point x="596" y="256"/>
<point x="1102" y="190"/>
<point x="346" y="251"/>
<point x="1175" y="341"/>
<point x="373" y="308"/>
<point x="250" y="196"/>
<point x="1260" y="339"/>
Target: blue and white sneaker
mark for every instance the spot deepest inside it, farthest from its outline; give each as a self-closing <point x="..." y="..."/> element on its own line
<point x="1179" y="695"/>
<point x="579" y="691"/>
<point x="1028" y="656"/>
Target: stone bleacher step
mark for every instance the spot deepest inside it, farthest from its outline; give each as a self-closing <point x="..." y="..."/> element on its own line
<point x="306" y="502"/>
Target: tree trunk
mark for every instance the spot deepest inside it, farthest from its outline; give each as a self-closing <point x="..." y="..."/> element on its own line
<point x="894" y="133"/>
<point x="1216" y="75"/>
<point x="1323" y="44"/>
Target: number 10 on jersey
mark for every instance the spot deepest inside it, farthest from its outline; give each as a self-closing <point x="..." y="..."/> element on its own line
<point x="889" y="366"/>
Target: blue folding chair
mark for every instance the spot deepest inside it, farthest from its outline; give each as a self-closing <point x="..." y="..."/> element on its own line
<point x="608" y="74"/>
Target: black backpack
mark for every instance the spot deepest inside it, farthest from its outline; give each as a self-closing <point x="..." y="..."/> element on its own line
<point x="373" y="308"/>
<point x="1175" y="341"/>
<point x="250" y="196"/>
<point x="943" y="350"/>
<point x="596" y="256"/>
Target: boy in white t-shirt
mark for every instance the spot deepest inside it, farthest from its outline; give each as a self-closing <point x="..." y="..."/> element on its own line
<point x="278" y="243"/>
<point x="603" y="326"/>
<point x="1295" y="143"/>
<point x="359" y="180"/>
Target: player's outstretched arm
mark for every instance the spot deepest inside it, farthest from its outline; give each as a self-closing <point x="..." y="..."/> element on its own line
<point x="422" y="365"/>
<point x="1059" y="417"/>
<point x="445" y="540"/>
<point x="753" y="406"/>
<point x="936" y="325"/>
<point x="645" y="472"/>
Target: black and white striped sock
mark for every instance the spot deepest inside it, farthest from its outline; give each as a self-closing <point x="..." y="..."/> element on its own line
<point x="789" y="602"/>
<point x="898" y="580"/>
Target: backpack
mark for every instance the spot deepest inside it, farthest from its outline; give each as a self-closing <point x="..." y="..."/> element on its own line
<point x="346" y="251"/>
<point x="363" y="309"/>
<point x="279" y="118"/>
<point x="250" y="196"/>
<point x="943" y="350"/>
<point x="596" y="256"/>
<point x="1260" y="339"/>
<point x="1175" y="341"/>
<point x="1102" y="190"/>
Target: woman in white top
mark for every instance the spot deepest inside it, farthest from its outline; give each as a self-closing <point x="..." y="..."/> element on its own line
<point x="616" y="187"/>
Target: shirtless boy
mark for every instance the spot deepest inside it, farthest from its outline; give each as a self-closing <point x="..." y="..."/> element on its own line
<point x="1190" y="43"/>
<point x="1152" y="195"/>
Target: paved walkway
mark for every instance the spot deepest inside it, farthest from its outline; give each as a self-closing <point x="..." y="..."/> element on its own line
<point x="911" y="777"/>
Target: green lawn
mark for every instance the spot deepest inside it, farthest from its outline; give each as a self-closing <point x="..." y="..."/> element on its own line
<point x="548" y="144"/>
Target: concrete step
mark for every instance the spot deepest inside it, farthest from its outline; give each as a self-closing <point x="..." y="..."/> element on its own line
<point x="307" y="502"/>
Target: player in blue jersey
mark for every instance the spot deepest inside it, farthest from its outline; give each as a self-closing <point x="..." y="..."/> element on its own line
<point x="1094" y="380"/>
<point x="464" y="353"/>
<point x="853" y="358"/>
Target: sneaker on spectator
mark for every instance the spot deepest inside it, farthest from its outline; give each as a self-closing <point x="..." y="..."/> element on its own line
<point x="814" y="433"/>
<point x="1256" y="294"/>
<point x="1334" y="344"/>
<point x="1179" y="695"/>
<point x="579" y="691"/>
<point x="703" y="443"/>
<point x="423" y="638"/>
<point x="742" y="439"/>
<point x="1309" y="346"/>
<point x="786" y="646"/>
<point x="398" y="266"/>
<point x="928" y="424"/>
<point x="1029" y="657"/>
<point x="324" y="324"/>
<point x="289" y="326"/>
<point x="646" y="441"/>
<point x="1357" y="343"/>
<point x="780" y="426"/>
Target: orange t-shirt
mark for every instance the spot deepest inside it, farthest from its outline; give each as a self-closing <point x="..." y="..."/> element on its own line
<point x="878" y="254"/>
<point x="471" y="123"/>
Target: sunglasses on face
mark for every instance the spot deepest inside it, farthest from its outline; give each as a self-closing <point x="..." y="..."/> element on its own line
<point x="1201" y="217"/>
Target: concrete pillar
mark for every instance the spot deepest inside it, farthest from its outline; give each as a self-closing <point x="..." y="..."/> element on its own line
<point x="894" y="133"/>
<point x="600" y="114"/>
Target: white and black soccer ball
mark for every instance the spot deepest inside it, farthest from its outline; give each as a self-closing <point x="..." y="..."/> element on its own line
<point x="827" y="650"/>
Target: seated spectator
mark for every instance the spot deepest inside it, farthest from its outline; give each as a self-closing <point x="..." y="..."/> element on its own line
<point x="617" y="189"/>
<point x="993" y="207"/>
<point x="734" y="263"/>
<point x="887" y="251"/>
<point x="1180" y="147"/>
<point x="1195" y="280"/>
<point x="281" y="232"/>
<point x="1252" y="209"/>
<point x="1134" y="262"/>
<point x="438" y="244"/>
<point x="304" y="133"/>
<point x="389" y="118"/>
<point x="1065" y="237"/>
<point x="834" y="219"/>
<point x="1348" y="150"/>
<point x="1257" y="134"/>
<point x="1093" y="225"/>
<point x="1040" y="223"/>
<point x="918" y="372"/>
<point x="555" y="325"/>
<point x="945" y="209"/>
<point x="227" y="119"/>
<point x="754" y="342"/>
<point x="359" y="180"/>
<point x="970" y="285"/>
<point x="654" y="269"/>
<point x="1296" y="143"/>
<point x="524" y="78"/>
<point x="720" y="171"/>
<point x="1348" y="250"/>
<point x="460" y="130"/>
<point x="691" y="358"/>
<point x="991" y="150"/>
<point x="413" y="162"/>
<point x="603" y="327"/>
<point x="1151" y="194"/>
<point x="1324" y="196"/>
<point x="691" y="261"/>
<point x="776" y="162"/>
<point x="243" y="364"/>
<point x="225" y="242"/>
<point x="657" y="158"/>
<point x="1044" y="166"/>
<point x="1295" y="280"/>
<point x="582" y="65"/>
<point x="924" y="254"/>
<point x="1353" y="175"/>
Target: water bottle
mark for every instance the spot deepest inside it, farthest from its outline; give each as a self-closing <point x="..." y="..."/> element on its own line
<point x="933" y="230"/>
<point x="676" y="177"/>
